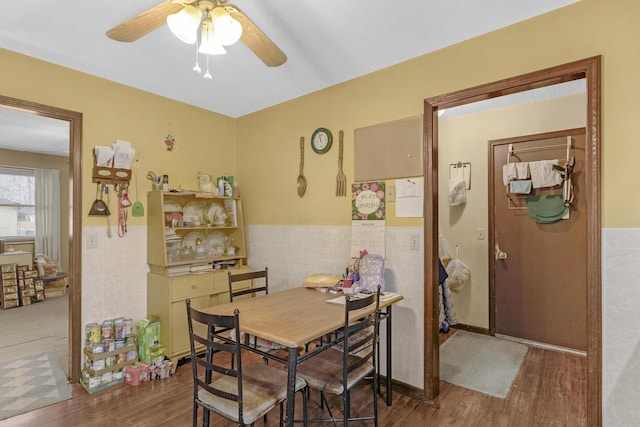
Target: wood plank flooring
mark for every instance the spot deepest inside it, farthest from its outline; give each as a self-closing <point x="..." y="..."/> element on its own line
<point x="550" y="390"/>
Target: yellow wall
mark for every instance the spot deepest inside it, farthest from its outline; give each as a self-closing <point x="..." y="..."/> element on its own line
<point x="268" y="139"/>
<point x="112" y="111"/>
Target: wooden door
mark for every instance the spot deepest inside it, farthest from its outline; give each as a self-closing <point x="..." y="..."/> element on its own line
<point x="539" y="291"/>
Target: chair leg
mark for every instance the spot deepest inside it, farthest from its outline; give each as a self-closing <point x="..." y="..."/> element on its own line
<point x="305" y="411"/>
<point x="305" y="414"/>
<point x="323" y="401"/>
<point x="347" y="407"/>
<point x="195" y="414"/>
<point x="376" y="381"/>
<point x="205" y="417"/>
<point x="377" y="370"/>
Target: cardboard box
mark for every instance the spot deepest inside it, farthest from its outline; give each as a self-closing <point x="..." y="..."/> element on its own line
<point x="148" y="335"/>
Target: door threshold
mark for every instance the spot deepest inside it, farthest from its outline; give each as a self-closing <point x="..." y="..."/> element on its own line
<point x="542" y="345"/>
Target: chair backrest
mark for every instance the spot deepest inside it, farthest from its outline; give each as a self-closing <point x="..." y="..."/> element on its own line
<point x="207" y="330"/>
<point x="360" y="336"/>
<point x="260" y="283"/>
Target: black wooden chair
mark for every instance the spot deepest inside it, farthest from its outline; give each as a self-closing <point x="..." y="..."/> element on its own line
<point x="243" y="394"/>
<point x="260" y="283"/>
<point x="336" y="370"/>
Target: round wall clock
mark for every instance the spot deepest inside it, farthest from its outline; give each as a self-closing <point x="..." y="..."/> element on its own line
<point x="321" y="140"/>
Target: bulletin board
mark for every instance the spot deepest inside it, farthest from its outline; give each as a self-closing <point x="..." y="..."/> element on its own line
<point x="388" y="150"/>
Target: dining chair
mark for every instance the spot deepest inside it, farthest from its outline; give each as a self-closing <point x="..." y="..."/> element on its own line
<point x="260" y="283"/>
<point x="337" y="370"/>
<point x="243" y="394"/>
<point x="258" y="277"/>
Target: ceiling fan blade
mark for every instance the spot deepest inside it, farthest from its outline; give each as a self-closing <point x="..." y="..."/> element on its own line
<point x="256" y="40"/>
<point x="144" y="23"/>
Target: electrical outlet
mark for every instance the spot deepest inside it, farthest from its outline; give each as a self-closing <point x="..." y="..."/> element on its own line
<point x="92" y="241"/>
<point x="414" y="242"/>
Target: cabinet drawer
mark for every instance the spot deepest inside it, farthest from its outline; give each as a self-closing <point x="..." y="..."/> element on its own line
<point x="193" y="285"/>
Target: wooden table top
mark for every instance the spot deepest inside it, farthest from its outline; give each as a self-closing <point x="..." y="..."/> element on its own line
<point x="292" y="317"/>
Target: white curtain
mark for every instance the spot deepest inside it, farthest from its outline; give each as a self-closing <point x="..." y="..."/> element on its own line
<point x="47" y="192"/>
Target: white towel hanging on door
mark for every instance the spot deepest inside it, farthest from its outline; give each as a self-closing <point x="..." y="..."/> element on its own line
<point x="543" y="174"/>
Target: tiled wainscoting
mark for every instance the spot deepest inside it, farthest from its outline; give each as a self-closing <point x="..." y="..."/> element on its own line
<point x="114" y="284"/>
<point x="114" y="275"/>
<point x="620" y="326"/>
<point x="294" y="252"/>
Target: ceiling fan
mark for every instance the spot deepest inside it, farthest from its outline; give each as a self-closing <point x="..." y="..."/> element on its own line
<point x="154" y="18"/>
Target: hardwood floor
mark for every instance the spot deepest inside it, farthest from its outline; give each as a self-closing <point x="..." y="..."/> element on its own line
<point x="550" y="390"/>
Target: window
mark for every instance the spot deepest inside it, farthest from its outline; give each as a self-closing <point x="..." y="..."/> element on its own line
<point x="17" y="202"/>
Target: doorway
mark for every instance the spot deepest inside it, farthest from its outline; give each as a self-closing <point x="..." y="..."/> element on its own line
<point x="75" y="223"/>
<point x="537" y="276"/>
<point x="588" y="69"/>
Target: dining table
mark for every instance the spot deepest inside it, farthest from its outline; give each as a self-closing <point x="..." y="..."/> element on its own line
<point x="295" y="318"/>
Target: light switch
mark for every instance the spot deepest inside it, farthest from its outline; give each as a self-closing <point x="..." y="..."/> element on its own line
<point x="92" y="241"/>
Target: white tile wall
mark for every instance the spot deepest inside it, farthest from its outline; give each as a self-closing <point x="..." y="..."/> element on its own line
<point x="114" y="275"/>
<point x="114" y="284"/>
<point x="295" y="252"/>
<point x="620" y="330"/>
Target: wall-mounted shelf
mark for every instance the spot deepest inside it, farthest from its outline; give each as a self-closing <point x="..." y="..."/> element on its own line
<point x="107" y="175"/>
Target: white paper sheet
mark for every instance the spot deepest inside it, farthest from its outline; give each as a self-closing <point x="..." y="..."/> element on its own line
<point x="369" y="235"/>
<point x="409" y="197"/>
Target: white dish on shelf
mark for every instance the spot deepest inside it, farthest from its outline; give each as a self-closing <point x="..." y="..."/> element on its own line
<point x="193" y="211"/>
<point x="216" y="213"/>
<point x="216" y="238"/>
<point x="192" y="239"/>
<point x="170" y="206"/>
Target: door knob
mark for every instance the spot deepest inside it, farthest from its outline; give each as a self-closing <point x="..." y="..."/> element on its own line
<point x="499" y="253"/>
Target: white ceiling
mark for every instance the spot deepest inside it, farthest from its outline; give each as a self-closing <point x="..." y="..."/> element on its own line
<point x="326" y="42"/>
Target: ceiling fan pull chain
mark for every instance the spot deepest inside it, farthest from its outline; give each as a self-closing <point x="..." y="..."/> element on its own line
<point x="196" y="67"/>
<point x="207" y="75"/>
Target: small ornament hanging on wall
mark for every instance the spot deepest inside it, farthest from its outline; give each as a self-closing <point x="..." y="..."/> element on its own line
<point x="170" y="144"/>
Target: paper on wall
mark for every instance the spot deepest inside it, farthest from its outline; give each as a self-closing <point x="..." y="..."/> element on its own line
<point x="123" y="154"/>
<point x="409" y="197"/>
<point x="104" y="156"/>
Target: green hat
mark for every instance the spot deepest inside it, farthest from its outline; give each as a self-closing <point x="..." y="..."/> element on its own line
<point x="546" y="209"/>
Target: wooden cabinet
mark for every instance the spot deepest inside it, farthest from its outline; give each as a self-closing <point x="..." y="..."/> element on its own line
<point x="201" y="273"/>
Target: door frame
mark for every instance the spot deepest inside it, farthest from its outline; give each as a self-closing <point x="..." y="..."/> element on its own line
<point x="75" y="218"/>
<point x="589" y="69"/>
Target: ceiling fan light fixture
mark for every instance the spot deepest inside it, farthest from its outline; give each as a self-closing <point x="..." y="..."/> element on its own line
<point x="227" y="29"/>
<point x="208" y="42"/>
<point x="184" y="24"/>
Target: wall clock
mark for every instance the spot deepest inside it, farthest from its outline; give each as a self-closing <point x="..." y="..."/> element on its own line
<point x="321" y="140"/>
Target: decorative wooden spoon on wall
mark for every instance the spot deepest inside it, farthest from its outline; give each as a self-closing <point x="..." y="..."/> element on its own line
<point x="302" y="181"/>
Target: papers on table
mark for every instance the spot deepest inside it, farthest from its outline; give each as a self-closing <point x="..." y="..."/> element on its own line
<point x="384" y="296"/>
